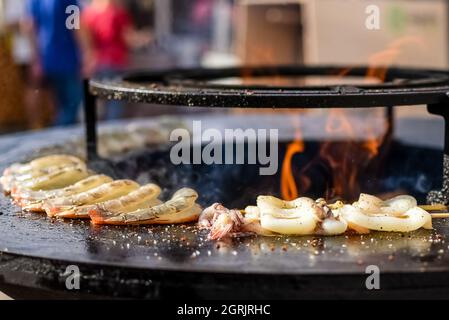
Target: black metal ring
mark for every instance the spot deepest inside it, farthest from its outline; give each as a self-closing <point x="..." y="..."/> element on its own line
<point x="192" y="87"/>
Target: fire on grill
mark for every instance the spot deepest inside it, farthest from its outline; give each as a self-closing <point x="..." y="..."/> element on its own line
<point x="228" y="148"/>
<point x="63" y="187"/>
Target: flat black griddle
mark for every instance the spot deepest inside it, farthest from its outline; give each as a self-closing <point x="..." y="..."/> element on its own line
<point x="177" y="261"/>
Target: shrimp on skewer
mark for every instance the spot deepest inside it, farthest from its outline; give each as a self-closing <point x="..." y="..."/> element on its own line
<point x="34" y="200"/>
<point x="42" y="163"/>
<point x="180" y="208"/>
<point x="36" y="168"/>
<point x="11" y="182"/>
<point x="182" y="216"/>
<point x="143" y="197"/>
<point x="90" y="182"/>
<point x="59" y="178"/>
<point x="107" y="191"/>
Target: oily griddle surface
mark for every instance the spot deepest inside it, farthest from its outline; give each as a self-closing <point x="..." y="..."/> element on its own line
<point x="168" y="261"/>
<point x="185" y="248"/>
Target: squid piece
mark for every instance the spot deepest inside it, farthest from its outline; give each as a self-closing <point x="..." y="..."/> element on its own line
<point x="398" y="214"/>
<point x="105" y="192"/>
<point x="395" y="206"/>
<point x="34" y="200"/>
<point x="141" y="198"/>
<point x="287" y="217"/>
<point x="181" y="208"/>
<point x="410" y="220"/>
<point x="56" y="179"/>
<point x="301" y="216"/>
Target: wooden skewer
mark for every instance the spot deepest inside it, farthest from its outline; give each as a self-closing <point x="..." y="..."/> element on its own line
<point x="434" y="207"/>
<point x="440" y="215"/>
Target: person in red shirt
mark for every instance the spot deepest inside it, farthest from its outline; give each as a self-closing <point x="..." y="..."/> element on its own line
<point x="110" y="32"/>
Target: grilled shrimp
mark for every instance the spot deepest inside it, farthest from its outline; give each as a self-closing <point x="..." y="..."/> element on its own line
<point x="107" y="191"/>
<point x="56" y="179"/>
<point x="143" y="197"/>
<point x="180" y="208"/>
<point x="42" y="163"/>
<point x="36" y="168"/>
<point x="11" y="182"/>
<point x="34" y="200"/>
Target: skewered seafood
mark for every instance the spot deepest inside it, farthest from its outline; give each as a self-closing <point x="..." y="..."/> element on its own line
<point x="42" y="163"/>
<point x="179" y="209"/>
<point x="395" y="206"/>
<point x="225" y="222"/>
<point x="19" y="172"/>
<point x="107" y="191"/>
<point x="303" y="216"/>
<point x="46" y="176"/>
<point x="399" y="214"/>
<point x="410" y="220"/>
<point x="299" y="217"/>
<point x="61" y="186"/>
<point x="143" y="197"/>
<point x="33" y="200"/>
<point x="53" y="179"/>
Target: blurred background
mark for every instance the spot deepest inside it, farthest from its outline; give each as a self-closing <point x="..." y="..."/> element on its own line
<point x="41" y="63"/>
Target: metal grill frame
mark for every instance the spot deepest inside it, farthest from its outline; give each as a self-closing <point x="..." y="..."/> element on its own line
<point x="192" y="88"/>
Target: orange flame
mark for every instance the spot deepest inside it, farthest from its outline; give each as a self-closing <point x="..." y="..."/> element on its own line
<point x="380" y="61"/>
<point x="289" y="189"/>
<point x="345" y="159"/>
<point x="338" y="155"/>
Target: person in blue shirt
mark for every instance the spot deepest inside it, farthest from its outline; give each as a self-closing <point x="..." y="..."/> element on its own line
<point x="57" y="55"/>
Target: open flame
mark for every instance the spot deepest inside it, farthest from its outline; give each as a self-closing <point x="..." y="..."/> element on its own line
<point x="344" y="159"/>
<point x="289" y="189"/>
<point x="380" y="61"/>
